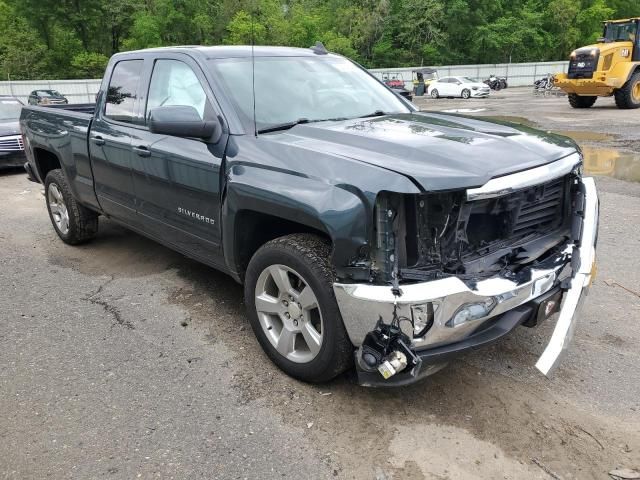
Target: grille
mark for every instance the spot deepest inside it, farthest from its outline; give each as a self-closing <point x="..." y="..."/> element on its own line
<point x="11" y="144"/>
<point x="583" y="65"/>
<point x="542" y="208"/>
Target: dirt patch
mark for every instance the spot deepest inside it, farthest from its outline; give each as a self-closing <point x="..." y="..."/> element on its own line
<point x="115" y="251"/>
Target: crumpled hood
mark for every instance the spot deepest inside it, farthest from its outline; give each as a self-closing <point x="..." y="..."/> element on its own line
<point x="437" y="151"/>
<point x="9" y="127"/>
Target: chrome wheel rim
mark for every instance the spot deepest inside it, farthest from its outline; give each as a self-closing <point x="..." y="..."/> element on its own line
<point x="466" y="94"/>
<point x="289" y="313"/>
<point x="58" y="208"/>
<point x="434" y="94"/>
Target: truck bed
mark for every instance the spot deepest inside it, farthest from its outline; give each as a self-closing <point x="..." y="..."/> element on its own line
<point x="88" y="108"/>
<point x="61" y="132"/>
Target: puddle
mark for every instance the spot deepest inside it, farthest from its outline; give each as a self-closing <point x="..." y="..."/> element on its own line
<point x="514" y="119"/>
<point x="465" y="110"/>
<point x="610" y="162"/>
<point x="582" y="136"/>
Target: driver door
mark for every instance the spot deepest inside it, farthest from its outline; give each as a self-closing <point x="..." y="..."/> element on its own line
<point x="177" y="180"/>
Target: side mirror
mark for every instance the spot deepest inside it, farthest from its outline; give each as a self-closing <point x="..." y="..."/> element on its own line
<point x="183" y="121"/>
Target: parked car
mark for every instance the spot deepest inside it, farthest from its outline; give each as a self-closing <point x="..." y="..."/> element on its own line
<point x="364" y="231"/>
<point x="464" y="87"/>
<point x="11" y="145"/>
<point x="47" y="97"/>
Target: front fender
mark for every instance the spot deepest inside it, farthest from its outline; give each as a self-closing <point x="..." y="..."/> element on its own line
<point x="336" y="210"/>
<point x="298" y="182"/>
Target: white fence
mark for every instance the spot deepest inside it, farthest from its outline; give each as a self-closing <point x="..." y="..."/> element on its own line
<point x="77" y="91"/>
<point x="518" y="74"/>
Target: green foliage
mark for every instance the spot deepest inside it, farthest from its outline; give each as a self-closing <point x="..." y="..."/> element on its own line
<point x="89" y="64"/>
<point x="74" y="38"/>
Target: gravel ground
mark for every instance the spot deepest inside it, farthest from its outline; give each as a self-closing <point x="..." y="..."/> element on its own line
<point x="122" y="359"/>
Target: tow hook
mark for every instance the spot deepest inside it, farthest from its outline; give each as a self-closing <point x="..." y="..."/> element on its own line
<point x="386" y="349"/>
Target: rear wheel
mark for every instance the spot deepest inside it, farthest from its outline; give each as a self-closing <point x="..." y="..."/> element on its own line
<point x="577" y="101"/>
<point x="466" y="93"/>
<point x="629" y="95"/>
<point x="293" y="310"/>
<point x="435" y="94"/>
<point x="73" y="223"/>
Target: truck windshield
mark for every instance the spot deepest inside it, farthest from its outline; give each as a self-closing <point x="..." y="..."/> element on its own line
<point x="291" y="90"/>
<point x="10" y="110"/>
<point x="620" y="32"/>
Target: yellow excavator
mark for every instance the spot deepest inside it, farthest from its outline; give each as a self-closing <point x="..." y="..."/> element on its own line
<point x="609" y="67"/>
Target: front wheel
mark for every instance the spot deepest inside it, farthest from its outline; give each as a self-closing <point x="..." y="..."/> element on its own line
<point x="466" y="93"/>
<point x="73" y="223"/>
<point x="577" y="101"/>
<point x="293" y="310"/>
<point x="434" y="93"/>
<point x="629" y="95"/>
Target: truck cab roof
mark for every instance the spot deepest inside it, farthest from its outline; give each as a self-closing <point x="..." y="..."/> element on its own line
<point x="232" y="51"/>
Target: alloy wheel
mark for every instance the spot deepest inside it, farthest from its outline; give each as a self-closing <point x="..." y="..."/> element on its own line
<point x="58" y="208"/>
<point x="289" y="313"/>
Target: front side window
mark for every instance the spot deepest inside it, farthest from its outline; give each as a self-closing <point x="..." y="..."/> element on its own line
<point x="174" y="83"/>
<point x="290" y="89"/>
<point x="620" y="32"/>
<point x="122" y="90"/>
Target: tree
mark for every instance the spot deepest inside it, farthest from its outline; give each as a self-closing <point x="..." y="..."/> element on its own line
<point x="89" y="64"/>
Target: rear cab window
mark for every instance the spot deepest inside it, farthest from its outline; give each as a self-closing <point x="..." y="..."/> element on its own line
<point x="122" y="92"/>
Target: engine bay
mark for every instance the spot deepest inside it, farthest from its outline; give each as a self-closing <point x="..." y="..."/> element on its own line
<point x="433" y="235"/>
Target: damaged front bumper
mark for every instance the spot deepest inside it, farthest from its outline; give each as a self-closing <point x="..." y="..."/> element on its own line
<point x="448" y="316"/>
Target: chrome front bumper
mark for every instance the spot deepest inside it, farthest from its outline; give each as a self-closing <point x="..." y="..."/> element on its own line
<point x="362" y="304"/>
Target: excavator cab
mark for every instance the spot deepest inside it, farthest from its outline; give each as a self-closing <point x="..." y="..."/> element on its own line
<point x="609" y="67"/>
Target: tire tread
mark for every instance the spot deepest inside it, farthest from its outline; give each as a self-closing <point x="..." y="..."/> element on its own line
<point x="316" y="253"/>
<point x="83" y="223"/>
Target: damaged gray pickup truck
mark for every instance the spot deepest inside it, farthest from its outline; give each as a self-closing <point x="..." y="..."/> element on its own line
<point x="364" y="232"/>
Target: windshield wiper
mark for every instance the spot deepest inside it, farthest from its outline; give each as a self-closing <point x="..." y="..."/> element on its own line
<point x="377" y="113"/>
<point x="283" y="126"/>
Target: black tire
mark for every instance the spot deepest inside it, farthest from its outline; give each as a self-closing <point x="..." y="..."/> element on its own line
<point x="82" y="223"/>
<point x="309" y="256"/>
<point x="503" y="84"/>
<point x="434" y="93"/>
<point x="628" y="96"/>
<point x="466" y="94"/>
<point x="577" y="101"/>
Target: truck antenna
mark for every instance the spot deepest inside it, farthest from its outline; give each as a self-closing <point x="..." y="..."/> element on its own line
<point x="253" y="71"/>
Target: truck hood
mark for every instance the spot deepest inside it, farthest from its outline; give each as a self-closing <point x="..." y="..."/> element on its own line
<point x="9" y="127"/>
<point x="436" y="151"/>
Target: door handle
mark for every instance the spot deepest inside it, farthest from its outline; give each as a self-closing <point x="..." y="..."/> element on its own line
<point x="142" y="151"/>
<point x="97" y="140"/>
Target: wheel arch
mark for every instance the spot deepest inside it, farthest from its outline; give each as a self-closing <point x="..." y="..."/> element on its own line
<point x="252" y="229"/>
<point x="45" y="161"/>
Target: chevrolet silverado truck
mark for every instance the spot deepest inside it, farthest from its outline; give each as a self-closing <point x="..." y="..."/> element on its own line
<point x="366" y="233"/>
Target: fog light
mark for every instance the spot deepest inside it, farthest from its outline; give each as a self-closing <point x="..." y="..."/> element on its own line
<point x="472" y="311"/>
<point x="422" y="316"/>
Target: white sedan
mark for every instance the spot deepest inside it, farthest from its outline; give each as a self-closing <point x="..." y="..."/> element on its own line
<point x="464" y="87"/>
